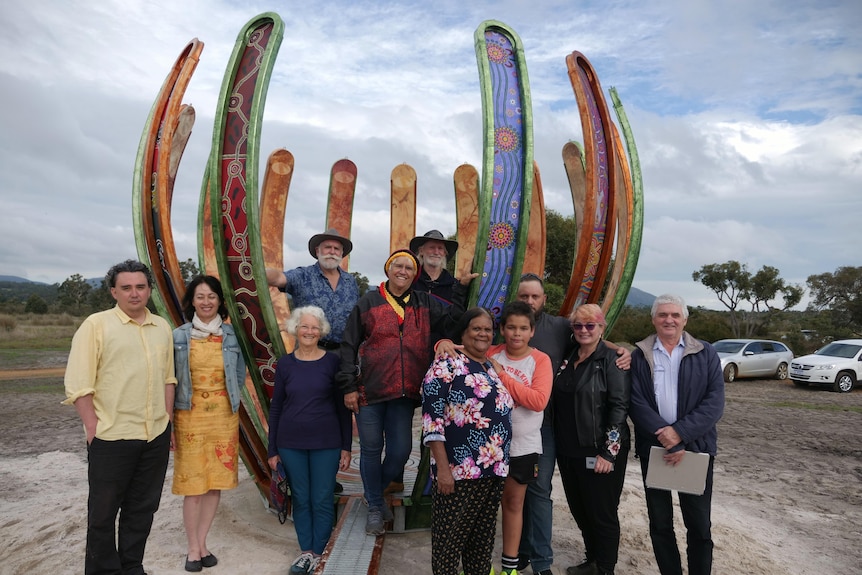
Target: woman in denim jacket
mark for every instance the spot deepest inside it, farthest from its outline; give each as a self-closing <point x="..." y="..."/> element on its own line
<point x="210" y="372"/>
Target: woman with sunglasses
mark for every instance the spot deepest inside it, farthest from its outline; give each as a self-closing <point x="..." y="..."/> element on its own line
<point x="590" y="402"/>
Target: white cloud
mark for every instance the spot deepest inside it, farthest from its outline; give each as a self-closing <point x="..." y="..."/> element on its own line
<point x="746" y="117"/>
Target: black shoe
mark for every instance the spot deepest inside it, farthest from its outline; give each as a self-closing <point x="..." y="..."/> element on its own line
<point x="339" y="488"/>
<point x="523" y="562"/>
<point x="586" y="568"/>
<point x="209" y="561"/>
<point x="194" y="566"/>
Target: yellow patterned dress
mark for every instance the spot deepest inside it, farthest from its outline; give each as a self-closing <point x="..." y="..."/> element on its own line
<point x="207" y="436"/>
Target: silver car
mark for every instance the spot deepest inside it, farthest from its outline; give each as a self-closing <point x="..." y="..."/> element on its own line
<point x="753" y="358"/>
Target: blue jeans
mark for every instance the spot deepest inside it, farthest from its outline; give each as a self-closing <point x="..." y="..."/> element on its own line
<point x="539" y="509"/>
<point x="311" y="475"/>
<point x="389" y="422"/>
<point x="696" y="511"/>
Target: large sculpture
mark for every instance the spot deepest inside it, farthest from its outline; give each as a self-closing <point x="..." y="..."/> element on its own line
<point x="499" y="214"/>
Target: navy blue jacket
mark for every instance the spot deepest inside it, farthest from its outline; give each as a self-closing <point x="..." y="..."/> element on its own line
<point x="700" y="402"/>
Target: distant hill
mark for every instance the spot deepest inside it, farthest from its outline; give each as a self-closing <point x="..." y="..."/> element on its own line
<point x="17" y="279"/>
<point x="639" y="298"/>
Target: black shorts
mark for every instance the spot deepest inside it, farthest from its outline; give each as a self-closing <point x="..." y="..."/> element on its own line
<point x="525" y="468"/>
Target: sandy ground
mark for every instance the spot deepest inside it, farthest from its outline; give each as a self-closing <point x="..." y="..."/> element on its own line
<point x="788" y="495"/>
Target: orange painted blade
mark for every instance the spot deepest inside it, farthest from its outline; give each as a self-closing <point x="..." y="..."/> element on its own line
<point x="339" y="208"/>
<point x="402" y="218"/>
<point x="467" y="214"/>
<point x="534" y="257"/>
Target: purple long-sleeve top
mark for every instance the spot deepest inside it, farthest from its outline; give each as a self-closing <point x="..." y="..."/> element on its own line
<point x="307" y="409"/>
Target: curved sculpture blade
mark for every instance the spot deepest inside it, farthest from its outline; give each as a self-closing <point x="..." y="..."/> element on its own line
<point x="273" y="205"/>
<point x="600" y="180"/>
<point x="233" y="175"/>
<point x="534" y="257"/>
<point x="402" y="215"/>
<point x="625" y="205"/>
<point x="637" y="214"/>
<point x="466" y="181"/>
<point x="339" y="206"/>
<point x="507" y="167"/>
<point x="152" y="186"/>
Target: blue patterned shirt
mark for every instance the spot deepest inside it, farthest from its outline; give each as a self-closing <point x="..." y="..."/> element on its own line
<point x="469" y="410"/>
<point x="308" y="286"/>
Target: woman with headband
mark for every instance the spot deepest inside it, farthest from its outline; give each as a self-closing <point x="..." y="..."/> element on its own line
<point x="385" y="352"/>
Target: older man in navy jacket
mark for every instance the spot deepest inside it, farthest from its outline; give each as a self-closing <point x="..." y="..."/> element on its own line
<point x="677" y="399"/>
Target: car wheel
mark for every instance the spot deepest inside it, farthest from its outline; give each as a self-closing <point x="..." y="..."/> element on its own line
<point x="729" y="372"/>
<point x="798" y="383"/>
<point x="844" y="382"/>
<point x="781" y="372"/>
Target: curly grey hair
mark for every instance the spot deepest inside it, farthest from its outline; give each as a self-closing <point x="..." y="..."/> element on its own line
<point x="312" y="310"/>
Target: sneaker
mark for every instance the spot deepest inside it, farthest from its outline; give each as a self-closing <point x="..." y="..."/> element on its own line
<point x="508" y="572"/>
<point x="374" y="523"/>
<point x="386" y="513"/>
<point x="543" y="572"/>
<point x="523" y="562"/>
<point x="303" y="564"/>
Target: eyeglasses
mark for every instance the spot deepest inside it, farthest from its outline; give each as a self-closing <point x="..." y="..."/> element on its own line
<point x="581" y="326"/>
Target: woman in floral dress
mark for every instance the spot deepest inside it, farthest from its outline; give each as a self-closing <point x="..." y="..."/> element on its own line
<point x="590" y="401"/>
<point x="210" y="372"/>
<point x="466" y="423"/>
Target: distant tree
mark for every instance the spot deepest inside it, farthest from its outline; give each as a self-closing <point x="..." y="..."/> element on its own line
<point x="633" y="324"/>
<point x="361" y="281"/>
<point x="100" y="298"/>
<point x="840" y="293"/>
<point x="189" y="270"/>
<point x="559" y="248"/>
<point x="74" y="293"/>
<point x="735" y="285"/>
<point x="36" y="304"/>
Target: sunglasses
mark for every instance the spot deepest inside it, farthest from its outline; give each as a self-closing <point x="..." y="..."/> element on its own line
<point x="581" y="326"/>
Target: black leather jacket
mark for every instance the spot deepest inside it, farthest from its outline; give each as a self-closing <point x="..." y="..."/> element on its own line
<point x="601" y="402"/>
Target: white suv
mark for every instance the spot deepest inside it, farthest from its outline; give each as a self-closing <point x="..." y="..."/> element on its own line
<point x="838" y="364"/>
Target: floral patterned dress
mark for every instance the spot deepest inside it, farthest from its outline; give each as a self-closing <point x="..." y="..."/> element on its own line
<point x="207" y="435"/>
<point x="469" y="409"/>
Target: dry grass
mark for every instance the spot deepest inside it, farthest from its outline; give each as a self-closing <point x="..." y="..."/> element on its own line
<point x="51" y="332"/>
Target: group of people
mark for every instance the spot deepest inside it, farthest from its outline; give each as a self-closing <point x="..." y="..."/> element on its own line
<point x="496" y="418"/>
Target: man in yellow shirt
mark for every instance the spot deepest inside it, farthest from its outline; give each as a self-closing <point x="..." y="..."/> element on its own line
<point x="120" y="378"/>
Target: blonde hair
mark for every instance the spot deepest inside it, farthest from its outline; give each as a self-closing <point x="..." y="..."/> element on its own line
<point x="588" y="312"/>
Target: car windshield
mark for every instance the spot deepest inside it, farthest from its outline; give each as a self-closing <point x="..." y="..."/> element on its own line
<point x="728" y="346"/>
<point x="835" y="349"/>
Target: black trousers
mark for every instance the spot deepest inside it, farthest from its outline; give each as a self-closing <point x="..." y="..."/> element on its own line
<point x="463" y="526"/>
<point x="594" y="500"/>
<point x="696" y="514"/>
<point x="126" y="477"/>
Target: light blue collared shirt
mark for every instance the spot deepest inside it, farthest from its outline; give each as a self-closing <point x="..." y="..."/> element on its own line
<point x="666" y="378"/>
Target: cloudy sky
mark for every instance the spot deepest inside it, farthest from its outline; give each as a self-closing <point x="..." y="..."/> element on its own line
<point x="747" y="117"/>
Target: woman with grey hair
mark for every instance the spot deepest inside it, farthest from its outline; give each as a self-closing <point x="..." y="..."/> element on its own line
<point x="309" y="432"/>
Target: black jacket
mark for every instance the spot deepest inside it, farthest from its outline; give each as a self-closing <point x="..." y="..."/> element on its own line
<point x="601" y="402"/>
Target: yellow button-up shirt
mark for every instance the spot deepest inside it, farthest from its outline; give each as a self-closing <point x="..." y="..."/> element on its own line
<point x="125" y="366"/>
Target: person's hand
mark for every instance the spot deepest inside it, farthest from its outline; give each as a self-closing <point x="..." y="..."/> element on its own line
<point x="446" y="348"/>
<point x="173" y="440"/>
<point x="603" y="465"/>
<point x="668" y="437"/>
<point x="275" y="278"/>
<point x="624" y="358"/>
<point x="351" y="401"/>
<point x="496" y="365"/>
<point x="673" y="458"/>
<point x="445" y="480"/>
<point x="273" y="462"/>
<point x="344" y="461"/>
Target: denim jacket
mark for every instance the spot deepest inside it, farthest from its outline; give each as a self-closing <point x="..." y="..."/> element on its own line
<point x="234" y="366"/>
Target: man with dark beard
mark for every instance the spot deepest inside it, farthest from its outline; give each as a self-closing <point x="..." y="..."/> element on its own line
<point x="323" y="284"/>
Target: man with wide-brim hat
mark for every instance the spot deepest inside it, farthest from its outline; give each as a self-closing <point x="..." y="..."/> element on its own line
<point x="323" y="284"/>
<point x="433" y="251"/>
